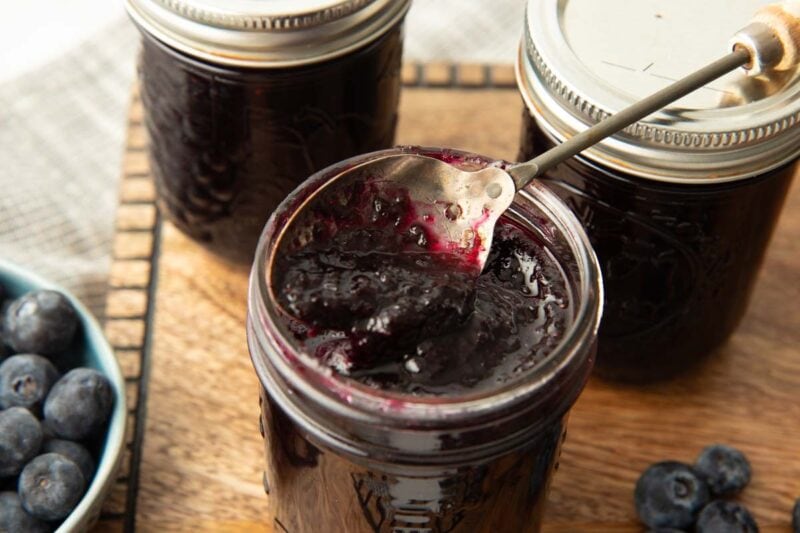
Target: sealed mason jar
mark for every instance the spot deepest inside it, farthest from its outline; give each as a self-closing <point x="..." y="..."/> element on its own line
<point x="347" y="456"/>
<point x="679" y="207"/>
<point x="243" y="100"/>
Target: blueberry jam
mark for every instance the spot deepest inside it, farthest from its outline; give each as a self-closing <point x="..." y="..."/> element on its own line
<point x="227" y="144"/>
<point x="679" y="261"/>
<point x="374" y="296"/>
<point x="439" y="400"/>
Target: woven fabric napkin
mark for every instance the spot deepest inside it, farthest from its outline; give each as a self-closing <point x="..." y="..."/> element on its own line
<point x="62" y="129"/>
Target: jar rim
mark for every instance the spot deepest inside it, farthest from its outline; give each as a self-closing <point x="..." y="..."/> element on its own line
<point x="253" y="35"/>
<point x="350" y="398"/>
<point x="741" y="129"/>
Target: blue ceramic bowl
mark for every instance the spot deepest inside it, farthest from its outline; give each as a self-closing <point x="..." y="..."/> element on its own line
<point x="92" y="351"/>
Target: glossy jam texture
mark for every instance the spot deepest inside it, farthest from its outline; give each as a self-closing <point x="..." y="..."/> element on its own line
<point x="374" y="296"/>
<point x="228" y="144"/>
<point x="359" y="274"/>
<point x="679" y="261"/>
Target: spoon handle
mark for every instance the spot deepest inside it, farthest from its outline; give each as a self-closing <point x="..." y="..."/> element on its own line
<point x="763" y="45"/>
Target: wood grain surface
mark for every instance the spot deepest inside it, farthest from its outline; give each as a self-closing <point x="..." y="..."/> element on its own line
<point x="127" y="306"/>
<point x="201" y="457"/>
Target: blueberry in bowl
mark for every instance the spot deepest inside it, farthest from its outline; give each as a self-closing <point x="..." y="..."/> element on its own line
<point x="62" y="400"/>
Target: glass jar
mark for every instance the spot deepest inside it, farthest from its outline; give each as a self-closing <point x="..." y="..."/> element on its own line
<point x="343" y="456"/>
<point x="679" y="207"/>
<point x="241" y="107"/>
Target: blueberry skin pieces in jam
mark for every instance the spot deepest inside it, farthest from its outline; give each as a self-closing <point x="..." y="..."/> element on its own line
<point x="679" y="261"/>
<point x="372" y="301"/>
<point x="466" y="473"/>
<point x="228" y="144"/>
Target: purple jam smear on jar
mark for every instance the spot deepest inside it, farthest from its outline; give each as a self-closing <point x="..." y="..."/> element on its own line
<point x="375" y="297"/>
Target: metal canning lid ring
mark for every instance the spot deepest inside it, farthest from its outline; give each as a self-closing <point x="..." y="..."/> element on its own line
<point x="256" y="33"/>
<point x="573" y="72"/>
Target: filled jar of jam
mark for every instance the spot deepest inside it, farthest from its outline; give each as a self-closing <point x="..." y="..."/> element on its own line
<point x="402" y="391"/>
<point x="243" y="100"/>
<point x="679" y="207"/>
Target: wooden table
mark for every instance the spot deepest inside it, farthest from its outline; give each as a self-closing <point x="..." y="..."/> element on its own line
<point x="176" y="317"/>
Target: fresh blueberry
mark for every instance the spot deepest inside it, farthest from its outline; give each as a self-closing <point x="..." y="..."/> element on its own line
<point x="14" y="519"/>
<point x="74" y="452"/>
<point x="725" y="470"/>
<point x="796" y="517"/>
<point x="20" y="439"/>
<point x="25" y="381"/>
<point x="42" y="322"/>
<point x="5" y="350"/>
<point x="725" y="517"/>
<point x="669" y="495"/>
<point x="78" y="404"/>
<point x="50" y="486"/>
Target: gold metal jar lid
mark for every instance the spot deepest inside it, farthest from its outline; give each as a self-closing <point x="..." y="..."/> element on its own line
<point x="582" y="60"/>
<point x="266" y="33"/>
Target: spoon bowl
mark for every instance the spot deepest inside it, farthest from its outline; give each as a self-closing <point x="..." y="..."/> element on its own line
<point x="454" y="210"/>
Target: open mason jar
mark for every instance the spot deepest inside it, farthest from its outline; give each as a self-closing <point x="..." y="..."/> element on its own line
<point x="343" y="455"/>
<point x="243" y="100"/>
<point x="679" y="207"/>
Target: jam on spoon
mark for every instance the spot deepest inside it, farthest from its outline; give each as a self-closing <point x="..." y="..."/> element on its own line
<point x="377" y="298"/>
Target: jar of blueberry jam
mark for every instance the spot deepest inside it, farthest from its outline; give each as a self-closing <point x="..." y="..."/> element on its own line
<point x="401" y="391"/>
<point x="243" y="100"/>
<point x="681" y="206"/>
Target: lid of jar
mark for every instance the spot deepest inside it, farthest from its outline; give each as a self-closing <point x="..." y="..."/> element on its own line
<point x="582" y="60"/>
<point x="266" y="33"/>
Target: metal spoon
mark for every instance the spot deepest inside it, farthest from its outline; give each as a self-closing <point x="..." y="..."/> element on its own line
<point x="475" y="200"/>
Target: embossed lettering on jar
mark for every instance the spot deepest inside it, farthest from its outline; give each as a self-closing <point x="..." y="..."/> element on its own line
<point x="443" y="440"/>
<point x="241" y="107"/>
<point x="681" y="206"/>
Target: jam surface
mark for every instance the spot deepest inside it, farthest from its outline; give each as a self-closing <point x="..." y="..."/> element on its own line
<point x="374" y="296"/>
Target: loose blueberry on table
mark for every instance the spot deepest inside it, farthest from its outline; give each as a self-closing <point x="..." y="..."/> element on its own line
<point x="670" y="495"/>
<point x="725" y="517"/>
<point x="725" y="469"/>
<point x="673" y="496"/>
<point x="50" y="424"/>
